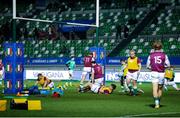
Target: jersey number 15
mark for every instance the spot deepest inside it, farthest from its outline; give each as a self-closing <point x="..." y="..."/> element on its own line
<point x="158" y="59"/>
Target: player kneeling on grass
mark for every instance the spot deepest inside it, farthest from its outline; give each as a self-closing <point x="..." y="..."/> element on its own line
<point x="44" y="82"/>
<point x="97" y="74"/>
<point x="169" y="78"/>
<point x="96" y="88"/>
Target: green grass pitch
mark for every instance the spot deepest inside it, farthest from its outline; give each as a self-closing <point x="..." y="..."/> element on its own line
<point x="114" y="105"/>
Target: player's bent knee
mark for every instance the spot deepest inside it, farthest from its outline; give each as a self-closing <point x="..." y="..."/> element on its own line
<point x="160" y="86"/>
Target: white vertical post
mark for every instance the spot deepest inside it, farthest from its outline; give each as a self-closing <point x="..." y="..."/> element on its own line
<point x="14" y="9"/>
<point x="97" y="13"/>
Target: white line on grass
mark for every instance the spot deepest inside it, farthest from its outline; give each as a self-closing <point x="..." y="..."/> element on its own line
<point x="150" y="114"/>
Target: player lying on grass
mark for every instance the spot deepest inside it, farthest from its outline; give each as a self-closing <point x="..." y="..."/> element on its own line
<point x="96" y="88"/>
<point x="44" y="82"/>
<point x="169" y="78"/>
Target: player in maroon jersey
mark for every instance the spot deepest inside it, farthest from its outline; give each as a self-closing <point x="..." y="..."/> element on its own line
<point x="1" y="69"/>
<point x="87" y="68"/>
<point x="157" y="62"/>
<point x="97" y="74"/>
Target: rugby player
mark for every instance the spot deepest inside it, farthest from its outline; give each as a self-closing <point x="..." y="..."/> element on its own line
<point x="157" y="61"/>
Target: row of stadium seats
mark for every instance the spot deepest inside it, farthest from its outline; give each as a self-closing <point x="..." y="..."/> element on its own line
<point x="168" y="22"/>
<point x="143" y="46"/>
<point x="6" y="12"/>
<point x="85" y="5"/>
<point x="107" y="24"/>
<point x="104" y="4"/>
<point x="20" y="8"/>
<point x="78" y="48"/>
<point x="62" y="48"/>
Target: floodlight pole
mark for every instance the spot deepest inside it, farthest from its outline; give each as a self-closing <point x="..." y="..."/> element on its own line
<point x="14" y="22"/>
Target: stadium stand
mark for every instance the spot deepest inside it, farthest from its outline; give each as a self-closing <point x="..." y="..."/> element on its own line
<point x="110" y="15"/>
<point x="142" y="45"/>
<point x="62" y="48"/>
<point x="167" y="22"/>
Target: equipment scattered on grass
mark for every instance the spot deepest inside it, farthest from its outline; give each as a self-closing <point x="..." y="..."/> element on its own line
<point x="25" y="104"/>
<point x="18" y="104"/>
<point x="56" y="95"/>
<point x="21" y="94"/>
<point x="58" y="90"/>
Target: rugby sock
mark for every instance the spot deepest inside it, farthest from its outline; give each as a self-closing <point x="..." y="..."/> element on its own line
<point x="122" y="88"/>
<point x="156" y="100"/>
<point x="81" y="85"/>
<point x="122" y="81"/>
<point x="70" y="77"/>
<point x="130" y="88"/>
<point x="159" y="99"/>
<point x="165" y="87"/>
<point x="135" y="90"/>
<point x="125" y="86"/>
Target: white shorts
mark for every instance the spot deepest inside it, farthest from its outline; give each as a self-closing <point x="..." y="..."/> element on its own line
<point x="157" y="77"/>
<point x="133" y="75"/>
<point x="51" y="85"/>
<point x="95" y="88"/>
<point x="171" y="83"/>
<point x="86" y="70"/>
<point x="167" y="82"/>
<point x="99" y="81"/>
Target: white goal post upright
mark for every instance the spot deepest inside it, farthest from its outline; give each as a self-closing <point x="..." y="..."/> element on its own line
<point x="96" y="25"/>
<point x="14" y="9"/>
<point x="97" y="13"/>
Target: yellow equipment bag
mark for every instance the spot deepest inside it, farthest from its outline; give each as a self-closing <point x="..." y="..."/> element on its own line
<point x="34" y="105"/>
<point x="3" y="105"/>
<point x="20" y="101"/>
